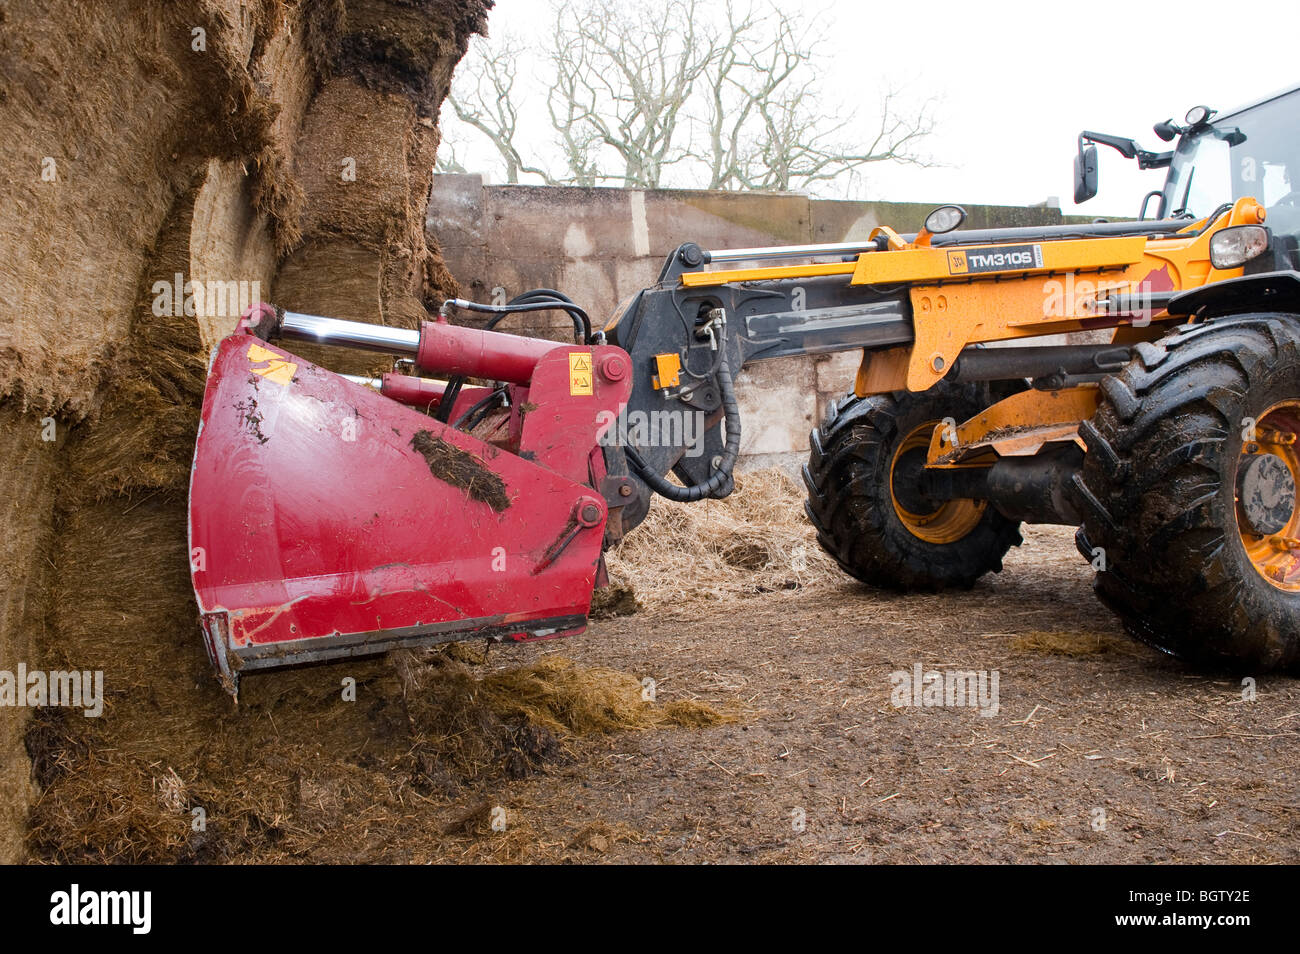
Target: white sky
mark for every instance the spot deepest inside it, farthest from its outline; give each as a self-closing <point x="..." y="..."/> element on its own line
<point x="1018" y="80"/>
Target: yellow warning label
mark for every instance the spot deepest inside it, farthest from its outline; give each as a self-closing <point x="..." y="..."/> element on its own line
<point x="580" y="373"/>
<point x="277" y="368"/>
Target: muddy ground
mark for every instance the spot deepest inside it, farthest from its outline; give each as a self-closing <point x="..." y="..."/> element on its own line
<point x="772" y="736"/>
<point x="1183" y="769"/>
<point x="1102" y="750"/>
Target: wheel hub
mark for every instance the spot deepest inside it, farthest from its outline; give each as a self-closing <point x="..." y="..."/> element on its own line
<point x="907" y="481"/>
<point x="938" y="522"/>
<point x="1268" y="519"/>
<point x="1266" y="494"/>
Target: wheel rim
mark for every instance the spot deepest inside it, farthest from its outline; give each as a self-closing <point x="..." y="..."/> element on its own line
<point x="952" y="519"/>
<point x="1271" y="534"/>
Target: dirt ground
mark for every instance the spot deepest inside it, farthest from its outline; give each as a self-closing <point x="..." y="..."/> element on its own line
<point x="1183" y="769"/>
<point x="772" y="735"/>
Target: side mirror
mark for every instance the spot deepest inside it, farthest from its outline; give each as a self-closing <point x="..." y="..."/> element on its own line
<point x="1085" y="173"/>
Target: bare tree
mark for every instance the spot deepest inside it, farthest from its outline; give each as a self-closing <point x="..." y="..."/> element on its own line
<point x="449" y="154"/>
<point x="724" y="96"/>
<point x="798" y="148"/>
<point x="622" y="81"/>
<point x="769" y="124"/>
<point x="484" y="98"/>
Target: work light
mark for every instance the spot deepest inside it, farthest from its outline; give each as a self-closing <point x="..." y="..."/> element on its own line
<point x="945" y="219"/>
<point x="1234" y="247"/>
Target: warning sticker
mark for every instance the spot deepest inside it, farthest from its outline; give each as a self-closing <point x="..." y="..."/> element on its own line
<point x="580" y="373"/>
<point x="277" y="369"/>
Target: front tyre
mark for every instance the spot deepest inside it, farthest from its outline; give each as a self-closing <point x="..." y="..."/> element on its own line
<point x="863" y="499"/>
<point x="1188" y="491"/>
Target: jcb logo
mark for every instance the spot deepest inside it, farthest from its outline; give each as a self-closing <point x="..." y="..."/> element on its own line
<point x="957" y="263"/>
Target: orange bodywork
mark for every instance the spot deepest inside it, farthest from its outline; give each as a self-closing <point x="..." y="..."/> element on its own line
<point x="950" y="312"/>
<point x="967" y="295"/>
<point x="954" y="305"/>
<point x="1017" y="426"/>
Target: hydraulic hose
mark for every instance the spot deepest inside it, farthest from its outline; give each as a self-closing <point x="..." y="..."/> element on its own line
<point x="449" y="395"/>
<point x="720" y="483"/>
<point x="539" y="299"/>
<point x="475" y="415"/>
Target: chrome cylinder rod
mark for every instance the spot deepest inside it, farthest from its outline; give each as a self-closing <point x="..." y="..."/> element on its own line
<point x="350" y="334"/>
<point x="789" y="251"/>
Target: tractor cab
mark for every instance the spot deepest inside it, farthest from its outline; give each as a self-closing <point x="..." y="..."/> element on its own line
<point x="1219" y="158"/>
<point x="1251" y="152"/>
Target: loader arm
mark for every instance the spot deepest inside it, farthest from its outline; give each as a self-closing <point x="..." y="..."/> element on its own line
<point x="921" y="308"/>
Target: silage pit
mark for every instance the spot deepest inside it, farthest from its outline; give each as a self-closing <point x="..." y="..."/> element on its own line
<point x="297" y="773"/>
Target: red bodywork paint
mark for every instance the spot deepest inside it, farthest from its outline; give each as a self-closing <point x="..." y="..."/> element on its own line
<point x="327" y="520"/>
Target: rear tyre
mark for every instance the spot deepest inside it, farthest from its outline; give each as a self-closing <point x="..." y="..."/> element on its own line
<point x="862" y="497"/>
<point x="1188" y="491"/>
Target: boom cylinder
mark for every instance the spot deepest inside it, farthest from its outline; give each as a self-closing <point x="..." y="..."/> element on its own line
<point x="470" y="352"/>
<point x="438" y="347"/>
<point x="995" y="364"/>
<point x="407" y="389"/>
<point x="403" y="388"/>
<point x="721" y="256"/>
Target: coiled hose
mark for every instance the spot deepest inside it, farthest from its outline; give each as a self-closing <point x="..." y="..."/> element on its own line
<point x="720" y="483"/>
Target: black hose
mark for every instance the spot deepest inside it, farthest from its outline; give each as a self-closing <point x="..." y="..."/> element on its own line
<point x="540" y="294"/>
<point x="720" y="483"/>
<point x="539" y="299"/>
<point x="449" y="395"/>
<point x="474" y="416"/>
<point x="581" y="326"/>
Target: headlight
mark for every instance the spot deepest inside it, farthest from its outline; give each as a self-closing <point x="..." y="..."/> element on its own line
<point x="1198" y="115"/>
<point x="1234" y="247"/>
<point x="944" y="219"/>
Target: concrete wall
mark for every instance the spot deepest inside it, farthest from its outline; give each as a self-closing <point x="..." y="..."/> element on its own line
<point x="600" y="246"/>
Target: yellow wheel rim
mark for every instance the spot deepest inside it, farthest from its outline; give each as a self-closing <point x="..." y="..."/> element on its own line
<point x="1275" y="555"/>
<point x="953" y="519"/>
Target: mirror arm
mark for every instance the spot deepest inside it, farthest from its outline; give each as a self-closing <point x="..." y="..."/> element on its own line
<point x="1126" y="147"/>
<point x="1154" y="160"/>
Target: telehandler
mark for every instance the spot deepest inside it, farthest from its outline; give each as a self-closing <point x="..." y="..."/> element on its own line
<point x="1139" y="380"/>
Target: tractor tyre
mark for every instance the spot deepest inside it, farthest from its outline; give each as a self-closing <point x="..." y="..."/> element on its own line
<point x="863" y="499"/>
<point x="1188" y="493"/>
